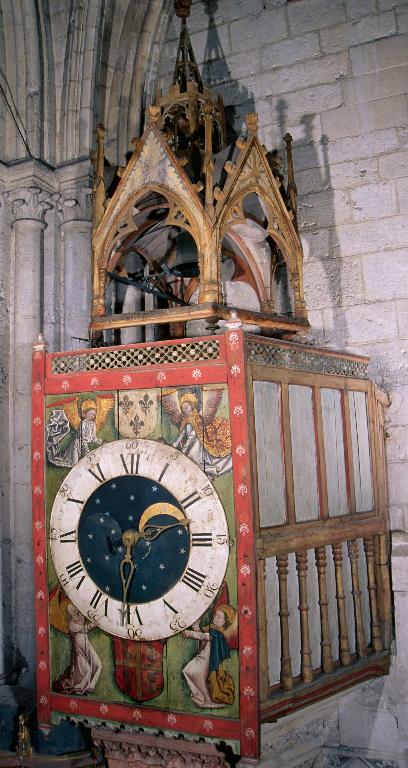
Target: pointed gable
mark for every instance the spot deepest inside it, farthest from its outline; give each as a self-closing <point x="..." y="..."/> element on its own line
<point x="249" y="174"/>
<point x="152" y="166"/>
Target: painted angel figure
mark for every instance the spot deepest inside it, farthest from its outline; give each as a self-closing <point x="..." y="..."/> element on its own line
<point x="81" y="424"/>
<point x="211" y="686"/>
<point x="204" y="437"/>
<point x="85" y="666"/>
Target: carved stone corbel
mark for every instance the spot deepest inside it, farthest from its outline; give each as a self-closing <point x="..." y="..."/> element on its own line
<point x="141" y="750"/>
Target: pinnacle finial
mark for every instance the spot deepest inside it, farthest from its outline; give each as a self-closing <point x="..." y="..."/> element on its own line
<point x="182" y="8"/>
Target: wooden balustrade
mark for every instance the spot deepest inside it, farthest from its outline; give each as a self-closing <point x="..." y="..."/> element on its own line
<point x="340" y="588"/>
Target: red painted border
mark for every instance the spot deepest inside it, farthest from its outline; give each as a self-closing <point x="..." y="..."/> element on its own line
<point x="246" y="555"/>
<point x="228" y="368"/>
<point x="147" y="717"/>
<point x="39" y="537"/>
<point x="168" y="375"/>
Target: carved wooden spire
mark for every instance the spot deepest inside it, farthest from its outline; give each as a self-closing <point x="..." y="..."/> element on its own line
<point x="186" y="68"/>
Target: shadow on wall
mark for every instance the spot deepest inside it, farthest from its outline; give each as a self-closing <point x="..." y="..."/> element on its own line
<point x="327" y="287"/>
<point x="217" y="76"/>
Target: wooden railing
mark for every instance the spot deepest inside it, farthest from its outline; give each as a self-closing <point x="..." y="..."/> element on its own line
<point x="323" y="587"/>
<point x="330" y="608"/>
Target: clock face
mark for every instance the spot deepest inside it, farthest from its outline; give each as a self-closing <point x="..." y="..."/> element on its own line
<point x="139" y="539"/>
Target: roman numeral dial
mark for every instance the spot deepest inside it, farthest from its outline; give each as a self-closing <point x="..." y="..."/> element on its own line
<point x="139" y="513"/>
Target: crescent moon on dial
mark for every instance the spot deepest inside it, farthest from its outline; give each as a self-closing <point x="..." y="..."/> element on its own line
<point x="160" y="509"/>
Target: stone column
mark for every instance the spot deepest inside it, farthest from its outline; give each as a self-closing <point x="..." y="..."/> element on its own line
<point x="75" y="211"/>
<point x="4" y="416"/>
<point x="28" y="207"/>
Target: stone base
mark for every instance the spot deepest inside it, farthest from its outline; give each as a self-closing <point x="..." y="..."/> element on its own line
<point x="139" y="750"/>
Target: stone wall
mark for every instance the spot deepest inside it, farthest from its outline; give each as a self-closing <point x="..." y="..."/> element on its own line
<point x="335" y="74"/>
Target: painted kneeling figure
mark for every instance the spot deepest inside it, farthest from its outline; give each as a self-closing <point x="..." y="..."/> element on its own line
<point x="211" y="686"/>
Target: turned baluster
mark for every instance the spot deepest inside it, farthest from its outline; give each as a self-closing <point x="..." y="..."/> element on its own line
<point x="286" y="662"/>
<point x="321" y="563"/>
<point x="353" y="552"/>
<point x="305" y="650"/>
<point x="376" y="642"/>
<point x="344" y="649"/>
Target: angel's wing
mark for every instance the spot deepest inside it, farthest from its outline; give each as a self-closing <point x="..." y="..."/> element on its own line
<point x="212" y="399"/>
<point x="70" y="408"/>
<point x="58" y="609"/>
<point x="104" y="405"/>
<point x="171" y="406"/>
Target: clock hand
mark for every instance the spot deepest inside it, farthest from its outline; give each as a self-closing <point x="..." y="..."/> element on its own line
<point x="151" y="532"/>
<point x="130" y="538"/>
<point x="127" y="566"/>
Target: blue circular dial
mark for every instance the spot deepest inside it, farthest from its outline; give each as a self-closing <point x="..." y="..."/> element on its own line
<point x="120" y="505"/>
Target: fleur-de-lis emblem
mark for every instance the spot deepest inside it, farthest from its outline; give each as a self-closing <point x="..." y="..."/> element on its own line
<point x="146" y="403"/>
<point x="136" y="424"/>
<point x="126" y="404"/>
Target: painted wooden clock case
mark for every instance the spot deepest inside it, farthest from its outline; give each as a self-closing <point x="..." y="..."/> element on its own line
<point x="283" y="568"/>
<point x="185" y="673"/>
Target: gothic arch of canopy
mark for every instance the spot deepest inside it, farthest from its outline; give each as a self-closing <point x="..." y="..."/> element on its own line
<point x="180" y="214"/>
<point x="279" y="227"/>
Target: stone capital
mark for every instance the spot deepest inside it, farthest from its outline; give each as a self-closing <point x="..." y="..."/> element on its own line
<point x="75" y="205"/>
<point x="30" y="203"/>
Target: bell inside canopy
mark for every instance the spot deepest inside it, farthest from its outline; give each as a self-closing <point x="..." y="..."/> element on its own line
<point x="186" y="262"/>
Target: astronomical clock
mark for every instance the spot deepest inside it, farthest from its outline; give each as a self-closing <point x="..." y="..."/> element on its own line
<point x="208" y="494"/>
